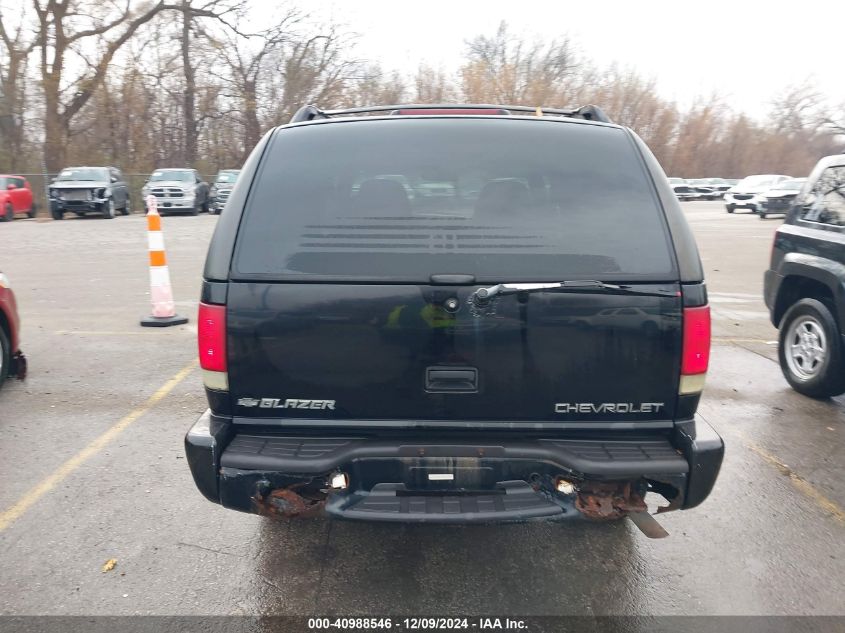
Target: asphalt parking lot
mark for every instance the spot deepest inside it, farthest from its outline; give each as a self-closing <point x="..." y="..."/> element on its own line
<point x="93" y="469"/>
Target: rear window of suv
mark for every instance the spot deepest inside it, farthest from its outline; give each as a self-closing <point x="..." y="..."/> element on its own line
<point x="503" y="200"/>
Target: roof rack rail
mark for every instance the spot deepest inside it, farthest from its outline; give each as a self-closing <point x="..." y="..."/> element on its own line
<point x="587" y="112"/>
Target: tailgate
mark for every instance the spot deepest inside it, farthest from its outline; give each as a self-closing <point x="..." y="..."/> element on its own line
<point x="398" y="352"/>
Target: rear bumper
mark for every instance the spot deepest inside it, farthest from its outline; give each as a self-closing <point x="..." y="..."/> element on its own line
<point x="445" y="479"/>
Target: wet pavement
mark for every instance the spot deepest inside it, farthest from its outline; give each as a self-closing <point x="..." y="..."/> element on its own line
<point x="769" y="540"/>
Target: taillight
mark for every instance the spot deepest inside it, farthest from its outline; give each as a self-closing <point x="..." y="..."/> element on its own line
<point x="211" y="336"/>
<point x="696" y="349"/>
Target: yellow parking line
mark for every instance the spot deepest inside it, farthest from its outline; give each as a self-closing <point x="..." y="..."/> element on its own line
<point x="800" y="483"/>
<point x="13" y="513"/>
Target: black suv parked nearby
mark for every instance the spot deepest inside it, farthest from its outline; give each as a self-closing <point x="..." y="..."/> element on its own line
<point x="453" y="314"/>
<point x="805" y="284"/>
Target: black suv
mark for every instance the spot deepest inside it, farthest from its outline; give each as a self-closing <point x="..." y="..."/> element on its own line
<point x="805" y="284"/>
<point x="453" y="314"/>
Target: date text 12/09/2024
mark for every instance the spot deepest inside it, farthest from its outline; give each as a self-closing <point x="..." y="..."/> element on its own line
<point x="417" y="624"/>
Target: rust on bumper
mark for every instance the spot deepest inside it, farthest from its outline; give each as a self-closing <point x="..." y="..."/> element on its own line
<point x="289" y="502"/>
<point x="610" y="500"/>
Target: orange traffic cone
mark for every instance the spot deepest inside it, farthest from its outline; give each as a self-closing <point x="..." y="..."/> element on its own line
<point x="164" y="311"/>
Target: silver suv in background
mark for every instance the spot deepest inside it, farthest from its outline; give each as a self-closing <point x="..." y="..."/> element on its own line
<point x="224" y="182"/>
<point x="177" y="191"/>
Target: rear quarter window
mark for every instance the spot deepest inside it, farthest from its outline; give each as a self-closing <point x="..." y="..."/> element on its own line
<point x="503" y="200"/>
<point x="826" y="201"/>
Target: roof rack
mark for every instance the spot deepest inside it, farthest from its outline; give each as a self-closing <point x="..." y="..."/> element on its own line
<point x="587" y="112"/>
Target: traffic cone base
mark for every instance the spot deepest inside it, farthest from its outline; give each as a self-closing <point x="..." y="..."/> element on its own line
<point x="152" y="321"/>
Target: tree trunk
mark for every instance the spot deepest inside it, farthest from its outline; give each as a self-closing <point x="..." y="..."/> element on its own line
<point x="252" y="126"/>
<point x="189" y="100"/>
<point x="56" y="132"/>
<point x="11" y="107"/>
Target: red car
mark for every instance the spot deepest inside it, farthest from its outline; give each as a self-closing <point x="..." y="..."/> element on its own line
<point x="12" y="360"/>
<point x="15" y="197"/>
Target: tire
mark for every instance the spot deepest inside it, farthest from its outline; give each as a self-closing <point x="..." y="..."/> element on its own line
<point x="762" y="215"/>
<point x="205" y="207"/>
<point x="33" y="211"/>
<point x="810" y="350"/>
<point x="127" y="207"/>
<point x="109" y="209"/>
<point x="5" y="356"/>
<point x="8" y="214"/>
<point x="196" y="209"/>
<point x="729" y="208"/>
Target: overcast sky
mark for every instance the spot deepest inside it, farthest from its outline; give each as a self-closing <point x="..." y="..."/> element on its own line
<point x="747" y="50"/>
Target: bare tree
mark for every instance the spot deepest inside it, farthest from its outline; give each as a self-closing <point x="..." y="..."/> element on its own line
<point x="507" y="69"/>
<point x="699" y="130"/>
<point x="13" y="58"/>
<point x="796" y="109"/>
<point x="370" y="85"/>
<point x="834" y="122"/>
<point x="74" y="27"/>
<point x="143" y="89"/>
<point x="433" y="86"/>
<point x="192" y="16"/>
<point x="315" y="69"/>
<point x="248" y="64"/>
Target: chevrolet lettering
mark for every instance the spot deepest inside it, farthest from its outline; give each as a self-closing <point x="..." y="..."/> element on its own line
<point x="504" y="303"/>
<point x="608" y="407"/>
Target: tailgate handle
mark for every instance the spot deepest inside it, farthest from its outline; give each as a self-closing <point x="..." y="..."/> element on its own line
<point x="451" y="379"/>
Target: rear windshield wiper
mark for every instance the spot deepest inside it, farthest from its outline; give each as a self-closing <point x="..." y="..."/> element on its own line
<point x="484" y="295"/>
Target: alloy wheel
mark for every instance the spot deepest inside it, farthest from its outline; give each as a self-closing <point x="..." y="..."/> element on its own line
<point x="807" y="349"/>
